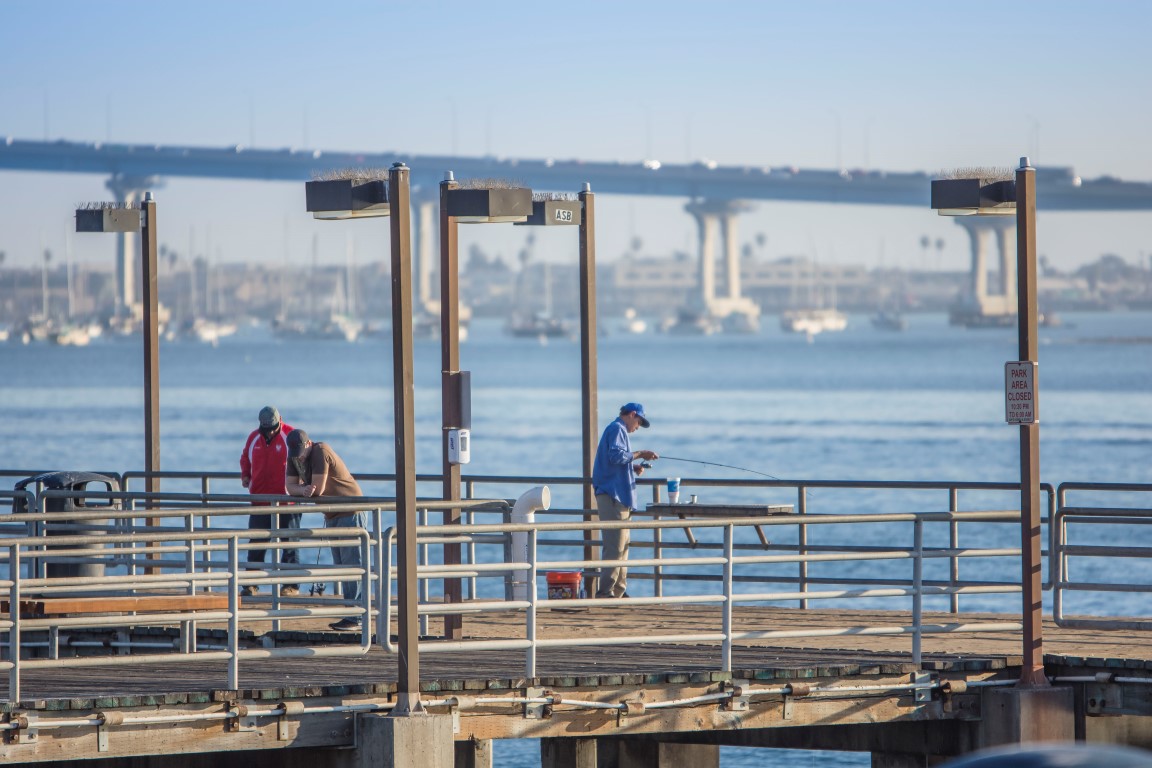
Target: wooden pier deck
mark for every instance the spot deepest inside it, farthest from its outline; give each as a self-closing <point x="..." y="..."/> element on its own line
<point x="646" y="673"/>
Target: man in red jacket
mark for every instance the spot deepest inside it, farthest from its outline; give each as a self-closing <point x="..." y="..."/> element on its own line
<point x="262" y="468"/>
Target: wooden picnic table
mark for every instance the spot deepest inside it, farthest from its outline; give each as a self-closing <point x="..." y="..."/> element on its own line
<point x="698" y="510"/>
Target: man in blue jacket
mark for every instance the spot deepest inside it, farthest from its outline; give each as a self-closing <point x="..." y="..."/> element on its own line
<point x="614" y="482"/>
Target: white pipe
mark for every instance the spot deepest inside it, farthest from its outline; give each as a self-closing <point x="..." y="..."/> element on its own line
<point x="524" y="512"/>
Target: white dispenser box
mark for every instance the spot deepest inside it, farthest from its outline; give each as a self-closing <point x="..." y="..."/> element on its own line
<point x="459" y="446"/>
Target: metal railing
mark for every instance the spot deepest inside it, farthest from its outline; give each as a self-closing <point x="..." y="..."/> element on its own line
<point x="726" y="559"/>
<point x="725" y="567"/>
<point x="175" y="563"/>
<point x="1100" y="526"/>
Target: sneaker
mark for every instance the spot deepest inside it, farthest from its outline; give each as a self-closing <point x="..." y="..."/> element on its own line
<point x="249" y="591"/>
<point x="345" y="625"/>
<point x="289" y="591"/>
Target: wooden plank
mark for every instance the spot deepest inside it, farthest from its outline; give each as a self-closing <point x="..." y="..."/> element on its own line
<point x="716" y="510"/>
<point x="69" y="606"/>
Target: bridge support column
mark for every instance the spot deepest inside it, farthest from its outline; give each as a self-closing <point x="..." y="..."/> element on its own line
<point x="710" y="214"/>
<point x="1019" y="715"/>
<point x="129" y="190"/>
<point x="1000" y="299"/>
<point x="731" y="253"/>
<point x="419" y="741"/>
<point x="426" y="230"/>
<point x="706" y="237"/>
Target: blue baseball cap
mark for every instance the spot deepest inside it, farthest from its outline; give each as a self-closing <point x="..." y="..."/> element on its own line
<point x="639" y="410"/>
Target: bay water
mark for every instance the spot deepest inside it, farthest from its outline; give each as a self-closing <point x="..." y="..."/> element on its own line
<point x="924" y="404"/>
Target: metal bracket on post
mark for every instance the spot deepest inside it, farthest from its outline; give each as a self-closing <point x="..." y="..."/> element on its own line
<point x="283" y="723"/>
<point x="948" y="689"/>
<point x="738" y="702"/>
<point x="106" y="719"/>
<point x="455" y="704"/>
<point x="922" y="693"/>
<point x="633" y="707"/>
<point x="795" y="690"/>
<point x="25" y="730"/>
<point x="1103" y="698"/>
<point x="241" y="722"/>
<point x="534" y="711"/>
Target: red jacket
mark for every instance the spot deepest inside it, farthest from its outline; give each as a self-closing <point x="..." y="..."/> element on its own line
<point x="264" y="462"/>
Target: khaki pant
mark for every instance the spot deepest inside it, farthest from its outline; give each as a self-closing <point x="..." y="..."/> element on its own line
<point x="613" y="579"/>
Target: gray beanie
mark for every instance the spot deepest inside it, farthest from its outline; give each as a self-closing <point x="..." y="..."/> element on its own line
<point x="269" y="417"/>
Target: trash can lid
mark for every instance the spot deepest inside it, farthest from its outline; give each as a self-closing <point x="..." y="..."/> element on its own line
<point x="67" y="480"/>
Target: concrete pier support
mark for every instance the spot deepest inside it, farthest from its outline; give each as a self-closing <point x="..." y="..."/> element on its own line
<point x="706" y="254"/>
<point x="998" y="299"/>
<point x="422" y="741"/>
<point x="427" y="229"/>
<point x="569" y="753"/>
<point x="738" y="313"/>
<point x="1021" y="715"/>
<point x="129" y="190"/>
<point x="731" y="253"/>
<point x="474" y="753"/>
<point x="626" y="753"/>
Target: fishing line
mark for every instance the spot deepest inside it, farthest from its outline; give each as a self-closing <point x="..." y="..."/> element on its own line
<point x="730" y="466"/>
<point x="726" y="466"/>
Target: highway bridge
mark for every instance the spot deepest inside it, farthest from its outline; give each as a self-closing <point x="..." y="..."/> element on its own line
<point x="1057" y="188"/>
<point x="716" y="195"/>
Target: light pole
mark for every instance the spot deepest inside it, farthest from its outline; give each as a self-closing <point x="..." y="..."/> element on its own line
<point x="984" y="194"/>
<point x="361" y="197"/>
<point x="471" y="202"/>
<point x="120" y="218"/>
<point x="581" y="212"/>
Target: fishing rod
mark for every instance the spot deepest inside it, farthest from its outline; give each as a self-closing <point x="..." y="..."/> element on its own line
<point x="726" y="466"/>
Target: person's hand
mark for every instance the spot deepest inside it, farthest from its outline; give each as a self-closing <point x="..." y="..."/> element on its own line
<point x="245" y="480"/>
<point x="639" y="468"/>
<point x="648" y="455"/>
<point x="310" y="490"/>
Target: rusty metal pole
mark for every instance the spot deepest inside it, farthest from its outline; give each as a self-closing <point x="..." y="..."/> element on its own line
<point x="588" y="373"/>
<point x="151" y="335"/>
<point x="403" y="396"/>
<point x="449" y="382"/>
<point x="1032" y="667"/>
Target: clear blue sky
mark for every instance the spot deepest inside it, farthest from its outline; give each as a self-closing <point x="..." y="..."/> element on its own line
<point x="889" y="85"/>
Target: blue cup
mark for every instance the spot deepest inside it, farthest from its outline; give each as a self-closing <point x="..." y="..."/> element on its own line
<point x="673" y="490"/>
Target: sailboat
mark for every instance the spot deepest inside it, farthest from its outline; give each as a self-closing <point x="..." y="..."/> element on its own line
<point x="814" y="318"/>
<point x="539" y="325"/>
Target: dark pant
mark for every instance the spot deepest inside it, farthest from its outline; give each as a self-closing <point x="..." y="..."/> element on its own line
<point x="266" y="522"/>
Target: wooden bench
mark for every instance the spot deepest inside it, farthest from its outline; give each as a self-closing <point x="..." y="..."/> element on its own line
<point x="687" y="511"/>
<point x="73" y="606"/>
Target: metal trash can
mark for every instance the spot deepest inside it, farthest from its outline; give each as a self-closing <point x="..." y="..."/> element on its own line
<point x="77" y="482"/>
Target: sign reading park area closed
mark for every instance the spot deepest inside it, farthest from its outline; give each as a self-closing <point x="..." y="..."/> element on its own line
<point x="1020" y="393"/>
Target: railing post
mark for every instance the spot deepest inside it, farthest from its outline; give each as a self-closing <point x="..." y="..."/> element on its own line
<point x="422" y="584"/>
<point x="378" y="564"/>
<point x="917" y="589"/>
<point x="953" y="544"/>
<point x="366" y="588"/>
<point x="530" y="629"/>
<point x="234" y="614"/>
<point x="802" y="541"/>
<point x="726" y="620"/>
<point x="14" y="693"/>
<point x="657" y="550"/>
<point x="384" y="626"/>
